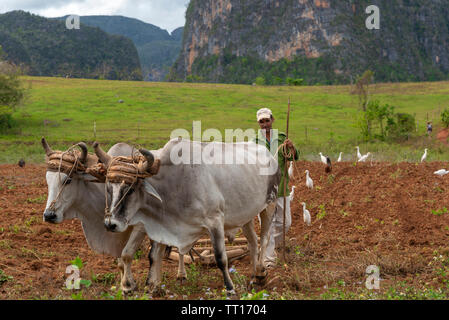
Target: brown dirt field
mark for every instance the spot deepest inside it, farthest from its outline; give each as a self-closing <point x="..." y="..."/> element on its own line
<point x="443" y="135"/>
<point x="370" y="213"/>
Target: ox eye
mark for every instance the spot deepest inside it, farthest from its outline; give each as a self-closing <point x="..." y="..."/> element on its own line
<point x="68" y="180"/>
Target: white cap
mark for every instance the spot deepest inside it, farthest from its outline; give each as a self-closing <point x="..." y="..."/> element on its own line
<point x="264" y="113"/>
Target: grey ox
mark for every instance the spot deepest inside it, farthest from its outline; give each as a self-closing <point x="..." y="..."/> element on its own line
<point x="85" y="201"/>
<point x="186" y="200"/>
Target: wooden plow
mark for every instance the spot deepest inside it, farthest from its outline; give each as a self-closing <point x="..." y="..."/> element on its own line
<point x="203" y="251"/>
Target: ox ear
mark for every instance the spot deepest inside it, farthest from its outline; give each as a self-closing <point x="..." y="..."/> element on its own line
<point x="150" y="190"/>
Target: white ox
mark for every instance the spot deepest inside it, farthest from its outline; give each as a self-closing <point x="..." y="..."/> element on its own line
<point x="85" y="201"/>
<point x="184" y="201"/>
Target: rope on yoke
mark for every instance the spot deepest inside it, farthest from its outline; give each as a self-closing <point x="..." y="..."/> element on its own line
<point x="126" y="170"/>
<point x="66" y="162"/>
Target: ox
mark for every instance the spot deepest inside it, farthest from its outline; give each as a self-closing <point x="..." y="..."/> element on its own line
<point x="185" y="200"/>
<point x="84" y="200"/>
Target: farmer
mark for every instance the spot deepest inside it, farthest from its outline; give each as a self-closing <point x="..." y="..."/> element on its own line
<point x="429" y="128"/>
<point x="265" y="119"/>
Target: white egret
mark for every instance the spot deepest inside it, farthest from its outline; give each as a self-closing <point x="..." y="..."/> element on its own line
<point x="292" y="193"/>
<point x="306" y="215"/>
<point x="339" y="157"/>
<point x="424" y="156"/>
<point x="363" y="158"/>
<point x="441" y="172"/>
<point x="323" y="158"/>
<point x="359" y="155"/>
<point x="309" y="181"/>
<point x="290" y="170"/>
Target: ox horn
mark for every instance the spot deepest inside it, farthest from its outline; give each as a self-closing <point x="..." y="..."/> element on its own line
<point x="46" y="147"/>
<point x="102" y="156"/>
<point x="150" y="159"/>
<point x="83" y="148"/>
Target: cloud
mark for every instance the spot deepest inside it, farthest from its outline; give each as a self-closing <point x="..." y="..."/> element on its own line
<point x="166" y="14"/>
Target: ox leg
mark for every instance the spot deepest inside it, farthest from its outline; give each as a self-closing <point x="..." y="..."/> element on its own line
<point x="251" y="236"/>
<point x="266" y="217"/>
<point x="127" y="282"/>
<point x="182" y="275"/>
<point x="154" y="277"/>
<point x="218" y="243"/>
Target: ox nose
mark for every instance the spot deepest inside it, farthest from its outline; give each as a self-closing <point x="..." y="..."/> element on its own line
<point x="110" y="226"/>
<point x="49" y="216"/>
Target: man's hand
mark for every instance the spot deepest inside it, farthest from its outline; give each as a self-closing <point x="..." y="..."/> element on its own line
<point x="290" y="145"/>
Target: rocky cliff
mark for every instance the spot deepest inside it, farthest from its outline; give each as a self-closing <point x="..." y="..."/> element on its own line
<point x="321" y="41"/>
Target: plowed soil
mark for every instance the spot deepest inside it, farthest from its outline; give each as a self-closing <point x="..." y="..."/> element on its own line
<point x="394" y="216"/>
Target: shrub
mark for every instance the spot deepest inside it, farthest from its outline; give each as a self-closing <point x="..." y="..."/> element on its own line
<point x="260" y="81"/>
<point x="445" y="117"/>
<point x="402" y="128"/>
<point x="11" y="92"/>
<point x="294" y="82"/>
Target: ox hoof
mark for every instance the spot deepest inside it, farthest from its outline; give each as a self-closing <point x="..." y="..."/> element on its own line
<point x="156" y="290"/>
<point x="261" y="277"/>
<point x="128" y="287"/>
<point x="128" y="290"/>
<point x="231" y="294"/>
<point x="181" y="278"/>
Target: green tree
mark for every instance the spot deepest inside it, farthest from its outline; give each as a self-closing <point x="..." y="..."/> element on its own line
<point x="260" y="81"/>
<point x="379" y="113"/>
<point x="11" y="92"/>
<point x="402" y="128"/>
<point x="362" y="88"/>
<point x="445" y="117"/>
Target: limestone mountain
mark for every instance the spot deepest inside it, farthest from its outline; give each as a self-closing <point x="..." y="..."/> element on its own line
<point x="320" y="41"/>
<point x="45" y="47"/>
<point x="157" y="48"/>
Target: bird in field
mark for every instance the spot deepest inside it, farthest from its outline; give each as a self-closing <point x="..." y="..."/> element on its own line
<point x="424" y="156"/>
<point x="364" y="157"/>
<point x="339" y="157"/>
<point x="328" y="168"/>
<point x="309" y="181"/>
<point x="323" y="158"/>
<point x="21" y="163"/>
<point x="292" y="194"/>
<point x="306" y="215"/>
<point x="359" y="155"/>
<point x="290" y="170"/>
<point x="441" y="172"/>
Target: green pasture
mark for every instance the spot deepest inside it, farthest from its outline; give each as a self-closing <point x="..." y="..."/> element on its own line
<point x="322" y="117"/>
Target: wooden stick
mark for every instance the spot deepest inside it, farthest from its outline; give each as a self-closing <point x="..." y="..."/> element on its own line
<point x="238" y="257"/>
<point x="210" y="258"/>
<point x="285" y="188"/>
<point x="209" y="248"/>
<point x="175" y="257"/>
<point x="236" y="240"/>
<point x="228" y="248"/>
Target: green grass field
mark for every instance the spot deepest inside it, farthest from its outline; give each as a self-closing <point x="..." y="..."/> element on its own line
<point x="322" y="117"/>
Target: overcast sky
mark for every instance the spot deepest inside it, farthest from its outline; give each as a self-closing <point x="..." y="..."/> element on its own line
<point x="166" y="14"/>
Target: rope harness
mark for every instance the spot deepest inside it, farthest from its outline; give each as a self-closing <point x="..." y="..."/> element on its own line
<point x="66" y="162"/>
<point x="125" y="170"/>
